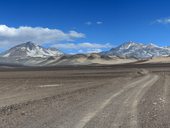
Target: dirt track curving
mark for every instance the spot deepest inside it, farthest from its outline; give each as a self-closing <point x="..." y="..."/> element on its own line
<point x="103" y="97"/>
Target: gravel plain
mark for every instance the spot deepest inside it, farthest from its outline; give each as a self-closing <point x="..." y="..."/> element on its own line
<point x="122" y="96"/>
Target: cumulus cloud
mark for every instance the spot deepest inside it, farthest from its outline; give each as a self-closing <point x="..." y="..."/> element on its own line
<point x="163" y="21"/>
<point x="10" y="36"/>
<point x="85" y="47"/>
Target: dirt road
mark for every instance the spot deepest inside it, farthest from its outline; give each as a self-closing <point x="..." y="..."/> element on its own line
<point x="85" y="98"/>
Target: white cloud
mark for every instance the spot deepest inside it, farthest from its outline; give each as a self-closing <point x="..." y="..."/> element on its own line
<point x="88" y="23"/>
<point x="163" y="21"/>
<point x="10" y="36"/>
<point x="96" y="50"/>
<point x="99" y="22"/>
<point x="83" y="47"/>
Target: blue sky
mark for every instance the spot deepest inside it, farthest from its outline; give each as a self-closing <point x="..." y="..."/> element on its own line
<point x="84" y="25"/>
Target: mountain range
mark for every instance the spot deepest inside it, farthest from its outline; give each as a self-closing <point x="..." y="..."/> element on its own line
<point x="139" y="51"/>
<point x="31" y="54"/>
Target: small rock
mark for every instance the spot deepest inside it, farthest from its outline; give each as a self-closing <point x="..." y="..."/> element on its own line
<point x="23" y="113"/>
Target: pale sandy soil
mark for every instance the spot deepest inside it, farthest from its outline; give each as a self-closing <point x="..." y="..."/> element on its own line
<point x="158" y="60"/>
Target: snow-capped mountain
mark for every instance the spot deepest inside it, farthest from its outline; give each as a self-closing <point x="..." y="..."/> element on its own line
<point x="138" y="50"/>
<point x="30" y="49"/>
<point x="30" y="54"/>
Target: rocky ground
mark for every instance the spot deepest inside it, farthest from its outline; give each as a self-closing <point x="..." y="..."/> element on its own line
<point x="124" y="96"/>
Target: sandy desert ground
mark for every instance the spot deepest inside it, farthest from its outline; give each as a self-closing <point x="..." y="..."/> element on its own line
<point x="158" y="60"/>
<point x="120" y="96"/>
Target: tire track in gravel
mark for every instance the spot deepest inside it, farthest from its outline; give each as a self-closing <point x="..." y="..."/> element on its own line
<point x="154" y="107"/>
<point x="89" y="116"/>
<point x="127" y="114"/>
<point x="142" y="90"/>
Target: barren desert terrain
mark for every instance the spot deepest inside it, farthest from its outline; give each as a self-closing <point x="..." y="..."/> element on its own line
<point x="120" y="96"/>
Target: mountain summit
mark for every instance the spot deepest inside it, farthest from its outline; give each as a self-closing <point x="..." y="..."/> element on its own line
<point x="138" y="50"/>
<point x="30" y="49"/>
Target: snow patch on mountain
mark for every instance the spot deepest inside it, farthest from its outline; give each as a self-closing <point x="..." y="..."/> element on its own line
<point x="30" y="49"/>
<point x="138" y="50"/>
